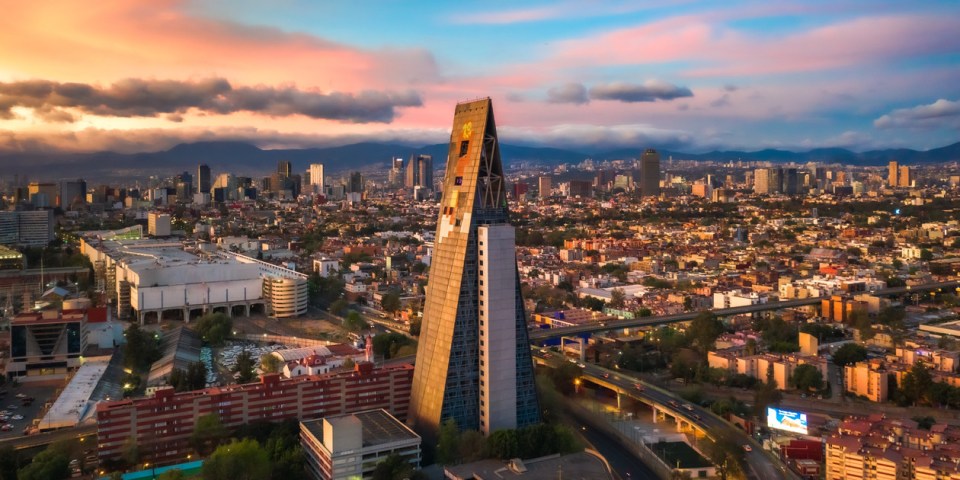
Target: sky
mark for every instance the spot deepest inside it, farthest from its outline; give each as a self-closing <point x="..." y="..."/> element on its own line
<point x="682" y="75"/>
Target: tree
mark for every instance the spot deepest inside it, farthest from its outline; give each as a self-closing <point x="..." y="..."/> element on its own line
<point x="916" y="385"/>
<point x="807" y="377"/>
<point x="354" y="322"/>
<point x="338" y="306"/>
<point x="415" y="325"/>
<point x="849" y="354"/>
<point x="704" y="330"/>
<point x="141" y="349"/>
<point x="245" y="367"/>
<point x="175" y="474"/>
<point x="390" y="302"/>
<point x="389" y="345"/>
<point x="617" y="298"/>
<point x="207" y="433"/>
<point x="448" y="442"/>
<point x="727" y="455"/>
<point x="394" y="467"/>
<point x="46" y="465"/>
<point x="214" y="328"/>
<point x="270" y="363"/>
<point x="238" y="460"/>
<point x="503" y="444"/>
<point x="348" y="364"/>
<point x="9" y="461"/>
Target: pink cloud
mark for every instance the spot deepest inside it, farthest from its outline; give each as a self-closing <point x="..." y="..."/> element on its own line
<point x="727" y="52"/>
<point x="103" y="41"/>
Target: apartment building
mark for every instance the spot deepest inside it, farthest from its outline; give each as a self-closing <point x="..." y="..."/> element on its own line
<point x="161" y="426"/>
<point x="867" y="379"/>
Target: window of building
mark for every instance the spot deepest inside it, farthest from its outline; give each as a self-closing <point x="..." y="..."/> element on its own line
<point x="464" y="146"/>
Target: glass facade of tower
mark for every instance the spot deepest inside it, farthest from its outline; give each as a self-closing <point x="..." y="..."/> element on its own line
<point x="447" y="380"/>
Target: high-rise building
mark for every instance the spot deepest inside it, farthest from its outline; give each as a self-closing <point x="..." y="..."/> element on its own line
<point x="158" y="224"/>
<point x="356" y="183"/>
<point x="425" y="168"/>
<point x="893" y="174"/>
<point x="905" y="179"/>
<point x="761" y="181"/>
<point x="396" y="174"/>
<point x="790" y="181"/>
<point x="419" y="172"/>
<point x="316" y="178"/>
<point x="43" y="195"/>
<point x="545" y="186"/>
<point x="30" y="228"/>
<point x="203" y="178"/>
<point x="284" y="168"/>
<point x="473" y="364"/>
<point x="650" y="173"/>
<point x="73" y="193"/>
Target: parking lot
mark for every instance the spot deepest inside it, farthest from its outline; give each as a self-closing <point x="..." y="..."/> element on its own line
<point x="41" y="395"/>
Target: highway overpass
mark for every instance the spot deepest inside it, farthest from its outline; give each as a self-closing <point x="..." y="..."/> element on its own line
<point x="760" y="466"/>
<point x="538" y="335"/>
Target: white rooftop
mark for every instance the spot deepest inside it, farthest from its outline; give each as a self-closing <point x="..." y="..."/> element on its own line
<point x="74" y="402"/>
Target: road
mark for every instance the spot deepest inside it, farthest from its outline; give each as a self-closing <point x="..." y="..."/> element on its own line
<point x="544" y="334"/>
<point x="46" y="438"/>
<point x="760" y="466"/>
<point x="624" y="463"/>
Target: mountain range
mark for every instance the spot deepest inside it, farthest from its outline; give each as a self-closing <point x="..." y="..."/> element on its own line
<point x="248" y="159"/>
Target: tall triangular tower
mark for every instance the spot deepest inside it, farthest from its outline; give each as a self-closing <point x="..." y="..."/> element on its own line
<point x="473" y="362"/>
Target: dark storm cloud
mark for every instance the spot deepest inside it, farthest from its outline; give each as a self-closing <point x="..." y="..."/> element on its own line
<point x="568" y="93"/>
<point x="172" y="98"/>
<point x="646" y="92"/>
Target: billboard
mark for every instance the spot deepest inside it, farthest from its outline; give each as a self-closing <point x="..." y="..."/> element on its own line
<point x="795" y="422"/>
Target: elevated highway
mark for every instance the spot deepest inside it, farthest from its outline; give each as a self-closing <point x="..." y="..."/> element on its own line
<point x="760" y="466"/>
<point x="549" y="333"/>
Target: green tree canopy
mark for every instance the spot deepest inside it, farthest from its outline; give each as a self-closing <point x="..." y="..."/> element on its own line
<point x="214" y="328"/>
<point x="238" y="460"/>
<point x="390" y="302"/>
<point x="807" y="377"/>
<point x="849" y="354"/>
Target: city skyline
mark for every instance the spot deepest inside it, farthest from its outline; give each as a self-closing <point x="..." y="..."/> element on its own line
<point x="683" y="76"/>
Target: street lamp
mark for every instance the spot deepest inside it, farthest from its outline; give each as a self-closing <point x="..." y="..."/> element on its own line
<point x="576" y="385"/>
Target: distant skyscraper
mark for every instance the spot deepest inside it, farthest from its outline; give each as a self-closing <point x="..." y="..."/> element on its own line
<point x="425" y="173"/>
<point x="790" y="181"/>
<point x="762" y="184"/>
<point x="284" y="168"/>
<point x="650" y="173"/>
<point x="419" y="172"/>
<point x="316" y="177"/>
<point x="893" y="174"/>
<point x="356" y="183"/>
<point x="203" y="178"/>
<point x="73" y="193"/>
<point x="473" y="362"/>
<point x="905" y="179"/>
<point x="545" y="185"/>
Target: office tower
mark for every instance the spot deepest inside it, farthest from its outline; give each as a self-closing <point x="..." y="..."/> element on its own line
<point x="419" y="172"/>
<point x="790" y="181"/>
<point x="203" y="178"/>
<point x="425" y="171"/>
<point x="43" y="195"/>
<point x="316" y="178"/>
<point x="30" y="228"/>
<point x="473" y="363"/>
<point x="396" y="175"/>
<point x="761" y="181"/>
<point x="355" y="184"/>
<point x="73" y="193"/>
<point x="158" y="224"/>
<point x="284" y="168"/>
<point x="650" y="173"/>
<point x="905" y="179"/>
<point x="893" y="174"/>
<point x="545" y="186"/>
